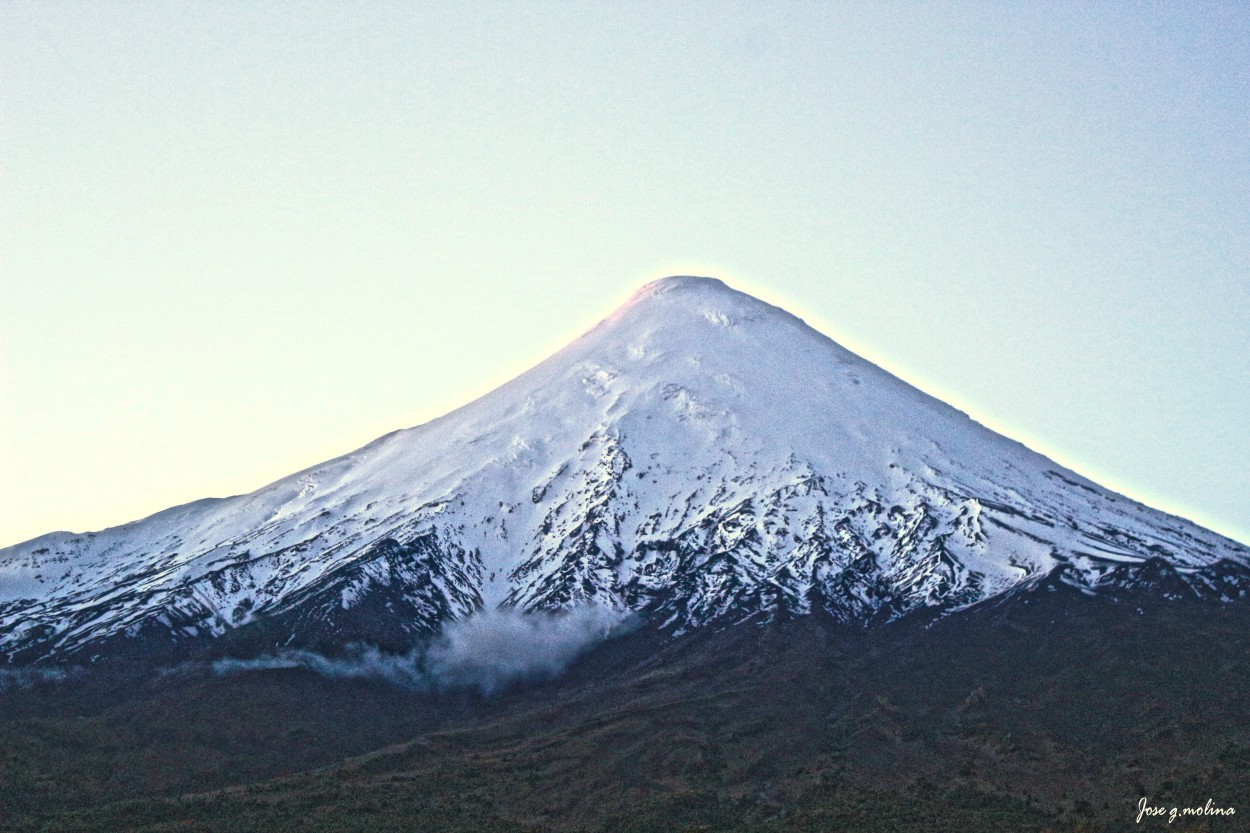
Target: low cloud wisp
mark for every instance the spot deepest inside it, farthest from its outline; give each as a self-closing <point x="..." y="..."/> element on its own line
<point x="487" y="651"/>
<point x="21" y="678"/>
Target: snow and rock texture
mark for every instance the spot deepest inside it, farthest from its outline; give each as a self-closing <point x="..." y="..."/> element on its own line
<point x="699" y="455"/>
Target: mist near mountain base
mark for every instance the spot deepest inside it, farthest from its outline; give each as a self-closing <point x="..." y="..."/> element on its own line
<point x="487" y="651"/>
<point x="22" y="678"/>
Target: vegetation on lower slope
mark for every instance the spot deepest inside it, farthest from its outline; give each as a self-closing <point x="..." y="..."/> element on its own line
<point x="1047" y="712"/>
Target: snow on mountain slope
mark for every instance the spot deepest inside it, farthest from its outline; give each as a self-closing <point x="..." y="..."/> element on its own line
<point x="699" y="454"/>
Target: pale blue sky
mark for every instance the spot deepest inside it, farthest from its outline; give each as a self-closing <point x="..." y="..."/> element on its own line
<point x="241" y="238"/>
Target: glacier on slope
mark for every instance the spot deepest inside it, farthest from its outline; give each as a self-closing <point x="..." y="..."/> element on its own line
<point x="699" y="456"/>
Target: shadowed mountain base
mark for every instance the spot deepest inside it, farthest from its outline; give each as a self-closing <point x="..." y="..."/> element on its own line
<point x="1047" y="711"/>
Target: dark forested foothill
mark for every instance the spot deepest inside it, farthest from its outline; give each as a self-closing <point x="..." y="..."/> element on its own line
<point x="1047" y="711"/>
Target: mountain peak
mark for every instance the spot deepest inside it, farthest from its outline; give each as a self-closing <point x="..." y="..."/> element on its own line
<point x="685" y="290"/>
<point x="674" y="282"/>
<point x="700" y="455"/>
<point x="687" y="311"/>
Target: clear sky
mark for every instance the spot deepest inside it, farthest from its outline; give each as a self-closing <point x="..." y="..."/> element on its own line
<point x="237" y="239"/>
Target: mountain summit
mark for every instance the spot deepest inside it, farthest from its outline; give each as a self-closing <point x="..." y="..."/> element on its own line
<point x="699" y="456"/>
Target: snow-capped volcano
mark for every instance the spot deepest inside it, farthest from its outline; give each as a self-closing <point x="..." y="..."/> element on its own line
<point x="698" y="455"/>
